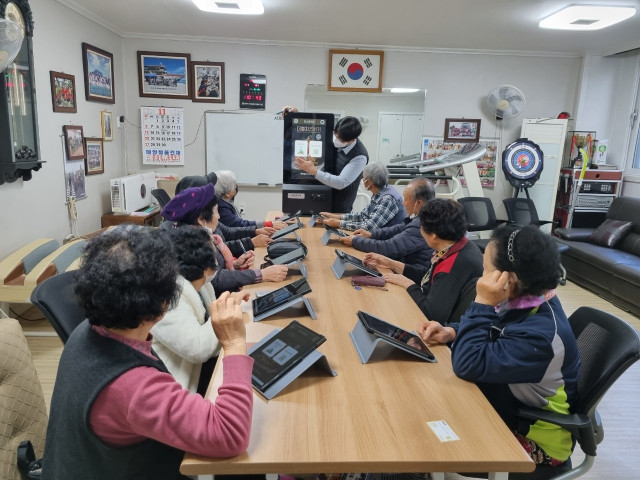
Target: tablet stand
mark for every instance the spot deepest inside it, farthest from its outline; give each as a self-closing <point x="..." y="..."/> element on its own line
<point x="313" y="220"/>
<point x="370" y="346"/>
<point x="288" y="304"/>
<point x="300" y="265"/>
<point x="326" y="236"/>
<point x="313" y="358"/>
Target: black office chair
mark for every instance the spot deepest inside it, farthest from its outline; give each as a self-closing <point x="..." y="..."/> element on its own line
<point x="522" y="211"/>
<point x="161" y="195"/>
<point x="56" y="299"/>
<point x="480" y="217"/>
<point x="608" y="346"/>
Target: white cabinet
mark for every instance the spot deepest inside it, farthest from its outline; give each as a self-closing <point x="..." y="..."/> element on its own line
<point x="399" y="134"/>
<point x="549" y="134"/>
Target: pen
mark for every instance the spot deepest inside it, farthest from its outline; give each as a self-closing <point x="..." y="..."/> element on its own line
<point x="242" y="246"/>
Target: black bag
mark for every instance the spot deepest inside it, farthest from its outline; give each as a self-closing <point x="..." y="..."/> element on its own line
<point x="282" y="246"/>
<point x="29" y="467"/>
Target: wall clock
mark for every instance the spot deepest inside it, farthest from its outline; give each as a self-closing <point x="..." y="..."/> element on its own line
<point x="355" y="70"/>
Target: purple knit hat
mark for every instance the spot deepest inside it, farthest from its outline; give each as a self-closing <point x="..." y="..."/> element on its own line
<point x="186" y="206"/>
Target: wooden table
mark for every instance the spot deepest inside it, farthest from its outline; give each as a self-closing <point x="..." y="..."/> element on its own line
<point x="111" y="219"/>
<point x="371" y="417"/>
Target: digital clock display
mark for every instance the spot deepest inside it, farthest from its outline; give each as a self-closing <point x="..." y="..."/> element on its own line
<point x="253" y="91"/>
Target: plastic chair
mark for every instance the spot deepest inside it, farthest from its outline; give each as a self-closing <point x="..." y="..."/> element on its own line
<point x="608" y="346"/>
<point x="57" y="301"/>
<point x="161" y="196"/>
<point x="480" y="217"/>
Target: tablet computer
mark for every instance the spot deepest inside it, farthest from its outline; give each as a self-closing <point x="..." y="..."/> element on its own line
<point x="288" y="216"/>
<point x="282" y="295"/>
<point x="285" y="231"/>
<point x="401" y="338"/>
<point x="281" y="353"/>
<point x="287" y="258"/>
<point x="335" y="231"/>
<point x="356" y="262"/>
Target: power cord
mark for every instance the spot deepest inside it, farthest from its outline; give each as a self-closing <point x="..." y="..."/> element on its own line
<point x="73" y="213"/>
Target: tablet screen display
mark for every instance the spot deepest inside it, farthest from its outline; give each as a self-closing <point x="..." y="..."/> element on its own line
<point x="278" y="297"/>
<point x="285" y="231"/>
<point x="282" y="352"/>
<point x="356" y="262"/>
<point x="289" y="216"/>
<point x="287" y="258"/>
<point x="336" y="231"/>
<point x="397" y="335"/>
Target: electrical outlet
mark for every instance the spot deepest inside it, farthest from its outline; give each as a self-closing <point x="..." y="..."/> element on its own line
<point x="120" y="122"/>
<point x="241" y="208"/>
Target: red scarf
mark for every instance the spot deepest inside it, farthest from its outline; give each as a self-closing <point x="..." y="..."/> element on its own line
<point x="224" y="250"/>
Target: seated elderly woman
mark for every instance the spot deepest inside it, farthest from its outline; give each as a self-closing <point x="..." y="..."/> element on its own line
<point x="116" y="411"/>
<point x="198" y="206"/>
<point x="402" y="242"/>
<point x="385" y="208"/>
<point x="226" y="190"/>
<point x="184" y="339"/>
<point x="240" y="238"/>
<point x="455" y="265"/>
<point x="516" y="343"/>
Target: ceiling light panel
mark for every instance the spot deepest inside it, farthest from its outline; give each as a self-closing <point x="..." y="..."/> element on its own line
<point x="586" y="17"/>
<point x="235" y="7"/>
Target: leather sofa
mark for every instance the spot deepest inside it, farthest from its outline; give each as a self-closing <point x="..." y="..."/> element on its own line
<point x="612" y="273"/>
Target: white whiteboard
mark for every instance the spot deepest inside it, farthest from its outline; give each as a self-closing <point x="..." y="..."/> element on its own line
<point x="249" y="144"/>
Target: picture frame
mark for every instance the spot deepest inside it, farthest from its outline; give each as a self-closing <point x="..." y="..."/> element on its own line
<point x="63" y="92"/>
<point x="462" y="130"/>
<point x="94" y="159"/>
<point x="99" y="81"/>
<point x="355" y="70"/>
<point x="164" y="75"/>
<point x="208" y="82"/>
<point x="74" y="142"/>
<point x="106" y="122"/>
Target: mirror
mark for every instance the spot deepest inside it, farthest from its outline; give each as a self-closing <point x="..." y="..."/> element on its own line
<point x="392" y="121"/>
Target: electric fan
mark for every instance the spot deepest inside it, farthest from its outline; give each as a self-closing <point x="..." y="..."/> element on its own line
<point x="506" y="101"/>
<point x="10" y="42"/>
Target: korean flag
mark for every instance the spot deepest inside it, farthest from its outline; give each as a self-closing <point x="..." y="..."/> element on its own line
<point x="356" y="70"/>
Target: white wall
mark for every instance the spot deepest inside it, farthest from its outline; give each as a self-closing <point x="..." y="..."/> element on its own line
<point x="457" y="85"/>
<point x="36" y="208"/>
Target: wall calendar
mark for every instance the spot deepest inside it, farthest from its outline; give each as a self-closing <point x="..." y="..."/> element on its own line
<point x="162" y="135"/>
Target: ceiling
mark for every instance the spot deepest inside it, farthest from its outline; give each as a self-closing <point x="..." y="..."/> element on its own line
<point x="494" y="25"/>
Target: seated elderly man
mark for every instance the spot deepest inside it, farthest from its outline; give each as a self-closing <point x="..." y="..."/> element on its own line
<point x="226" y="190"/>
<point x="385" y="208"/>
<point x="402" y="242"/>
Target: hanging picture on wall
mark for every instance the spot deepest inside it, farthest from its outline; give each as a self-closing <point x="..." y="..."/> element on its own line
<point x="74" y="142"/>
<point x="164" y="75"/>
<point x="74" y="180"/>
<point x="98" y="74"/>
<point x="63" y="92"/>
<point x="355" y="70"/>
<point x="106" y="120"/>
<point x="208" y="81"/>
<point x="461" y="129"/>
<point x="94" y="161"/>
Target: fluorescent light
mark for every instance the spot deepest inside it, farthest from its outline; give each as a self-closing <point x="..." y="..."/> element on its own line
<point x="237" y="7"/>
<point x="404" y="90"/>
<point x="586" y="17"/>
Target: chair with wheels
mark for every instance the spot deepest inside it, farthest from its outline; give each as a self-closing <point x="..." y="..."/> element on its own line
<point x="608" y="346"/>
<point x="56" y="299"/>
<point x="522" y="211"/>
<point x="480" y="217"/>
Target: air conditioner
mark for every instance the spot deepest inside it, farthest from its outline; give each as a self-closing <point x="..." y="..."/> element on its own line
<point x="132" y="192"/>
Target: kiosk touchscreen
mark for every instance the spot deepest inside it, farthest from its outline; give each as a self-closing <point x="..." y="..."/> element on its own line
<point x="282" y="353"/>
<point x="397" y="336"/>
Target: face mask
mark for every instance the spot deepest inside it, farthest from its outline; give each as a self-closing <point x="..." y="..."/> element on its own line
<point x="208" y="278"/>
<point x="337" y="143"/>
<point x="208" y="229"/>
<point x="412" y="216"/>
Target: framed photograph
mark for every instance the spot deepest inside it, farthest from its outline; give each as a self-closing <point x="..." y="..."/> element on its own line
<point x="98" y="74"/>
<point x="63" y="92"/>
<point x="74" y="180"/>
<point x="94" y="161"/>
<point x="106" y="120"/>
<point x="164" y="75"/>
<point x="208" y="81"/>
<point x="355" y="70"/>
<point x="461" y="130"/>
<point x="74" y="141"/>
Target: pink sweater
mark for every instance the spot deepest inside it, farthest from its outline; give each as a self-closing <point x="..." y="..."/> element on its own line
<point x="147" y="403"/>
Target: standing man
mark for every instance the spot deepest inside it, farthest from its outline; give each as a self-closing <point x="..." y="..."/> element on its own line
<point x="351" y="156"/>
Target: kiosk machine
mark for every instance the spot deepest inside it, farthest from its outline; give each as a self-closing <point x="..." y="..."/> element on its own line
<point x="307" y="135"/>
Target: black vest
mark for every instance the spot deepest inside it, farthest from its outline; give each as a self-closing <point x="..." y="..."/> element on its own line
<point x="343" y="199"/>
<point x="88" y="363"/>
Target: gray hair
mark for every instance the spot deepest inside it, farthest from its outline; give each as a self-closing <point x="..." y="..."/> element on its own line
<point x="226" y="182"/>
<point x="377" y="173"/>
<point x="423" y="189"/>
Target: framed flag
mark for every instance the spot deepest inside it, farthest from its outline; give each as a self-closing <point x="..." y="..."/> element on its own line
<point x="355" y="70"/>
